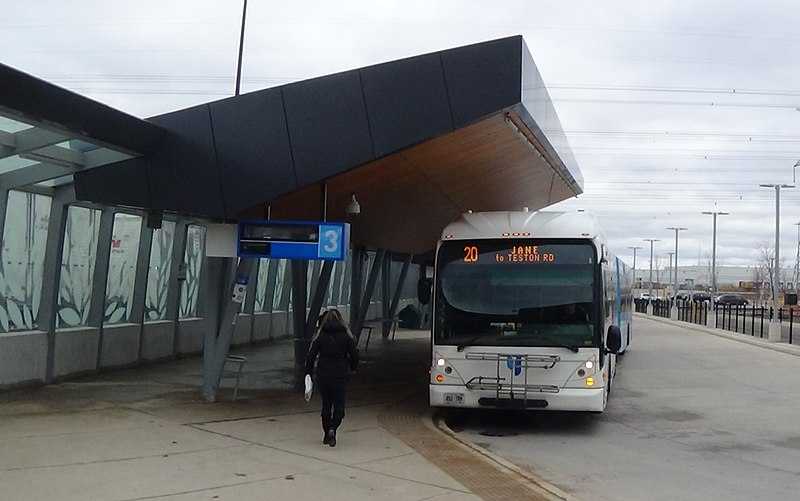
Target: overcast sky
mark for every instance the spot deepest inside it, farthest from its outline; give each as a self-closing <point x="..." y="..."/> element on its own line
<point x="672" y="108"/>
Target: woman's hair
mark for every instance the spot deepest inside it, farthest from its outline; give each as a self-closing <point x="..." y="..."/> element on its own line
<point x="330" y="318"/>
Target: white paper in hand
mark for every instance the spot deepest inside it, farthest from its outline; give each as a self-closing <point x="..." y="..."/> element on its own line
<point x="309" y="388"/>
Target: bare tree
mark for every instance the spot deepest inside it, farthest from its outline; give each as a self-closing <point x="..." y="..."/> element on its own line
<point x="763" y="271"/>
<point x="658" y="265"/>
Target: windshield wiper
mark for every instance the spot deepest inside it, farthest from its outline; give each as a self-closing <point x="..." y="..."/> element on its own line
<point x="461" y="346"/>
<point x="558" y="344"/>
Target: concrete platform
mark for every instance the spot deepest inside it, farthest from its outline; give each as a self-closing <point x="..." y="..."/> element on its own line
<point x="146" y="433"/>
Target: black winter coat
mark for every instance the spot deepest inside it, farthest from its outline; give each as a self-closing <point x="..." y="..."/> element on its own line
<point x="337" y="353"/>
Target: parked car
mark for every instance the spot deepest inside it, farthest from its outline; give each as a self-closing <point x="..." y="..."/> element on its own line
<point x="701" y="297"/>
<point x="734" y="299"/>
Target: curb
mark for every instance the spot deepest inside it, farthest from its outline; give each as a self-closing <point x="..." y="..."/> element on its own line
<point x="535" y="483"/>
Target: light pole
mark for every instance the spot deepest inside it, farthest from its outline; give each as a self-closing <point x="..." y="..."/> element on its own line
<point x="793" y="168"/>
<point x="650" y="301"/>
<point x="797" y="259"/>
<point x="714" y="254"/>
<point x="774" y="321"/>
<point x="634" y="264"/>
<point x="673" y="313"/>
<point x="238" y="83"/>
<point x="669" y="279"/>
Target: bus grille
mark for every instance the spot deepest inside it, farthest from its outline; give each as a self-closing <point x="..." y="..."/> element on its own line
<point x="517" y="390"/>
<point x="527" y="361"/>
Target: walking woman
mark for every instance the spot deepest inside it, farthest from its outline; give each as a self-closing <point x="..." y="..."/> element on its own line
<point x="338" y="354"/>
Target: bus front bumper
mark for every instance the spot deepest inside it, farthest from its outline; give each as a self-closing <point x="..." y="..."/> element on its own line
<point x="566" y="399"/>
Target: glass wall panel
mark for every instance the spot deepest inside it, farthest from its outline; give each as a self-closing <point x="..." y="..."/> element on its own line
<point x="280" y="276"/>
<point x="155" y="306"/>
<point x="344" y="291"/>
<point x="24" y="242"/>
<point x="193" y="257"/>
<point x="312" y="273"/>
<point x="122" y="259"/>
<point x="77" y="267"/>
<point x="332" y="286"/>
<point x="262" y="302"/>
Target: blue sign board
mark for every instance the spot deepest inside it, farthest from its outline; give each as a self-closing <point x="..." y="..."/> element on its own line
<point x="310" y="240"/>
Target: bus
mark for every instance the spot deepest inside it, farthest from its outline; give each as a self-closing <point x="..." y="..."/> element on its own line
<point x="530" y="311"/>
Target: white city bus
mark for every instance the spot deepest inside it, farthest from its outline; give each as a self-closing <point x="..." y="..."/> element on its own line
<point x="530" y="311"/>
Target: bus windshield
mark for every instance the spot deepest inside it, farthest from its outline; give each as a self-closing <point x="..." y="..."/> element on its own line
<point x="516" y="293"/>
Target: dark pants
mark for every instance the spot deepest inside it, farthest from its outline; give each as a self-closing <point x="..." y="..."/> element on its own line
<point x="333" y="392"/>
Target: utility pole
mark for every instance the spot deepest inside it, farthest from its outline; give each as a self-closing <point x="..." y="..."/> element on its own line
<point x="669" y="279"/>
<point x="775" y="322"/>
<point x="673" y="314"/>
<point x="241" y="51"/>
<point x="634" y="264"/>
<point x="714" y="255"/>
<point x="797" y="259"/>
<point x="650" y="302"/>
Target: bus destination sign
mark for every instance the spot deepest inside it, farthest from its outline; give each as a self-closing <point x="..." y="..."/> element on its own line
<point x="513" y="254"/>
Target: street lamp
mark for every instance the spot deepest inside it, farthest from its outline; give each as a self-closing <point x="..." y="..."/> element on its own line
<point x="674" y="310"/>
<point x="714" y="254"/>
<point x="797" y="259"/>
<point x="670" y="269"/>
<point x="634" y="264"/>
<point x="774" y="321"/>
<point x="650" y="302"/>
<point x="793" y="169"/>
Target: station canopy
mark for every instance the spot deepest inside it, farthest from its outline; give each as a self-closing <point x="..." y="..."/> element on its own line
<point x="417" y="141"/>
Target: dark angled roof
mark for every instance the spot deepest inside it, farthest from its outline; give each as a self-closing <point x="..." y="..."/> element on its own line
<point x="418" y="140"/>
<point x="30" y="99"/>
<point x="48" y="133"/>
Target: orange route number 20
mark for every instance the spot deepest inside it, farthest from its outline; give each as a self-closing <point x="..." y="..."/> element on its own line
<point x="470" y="254"/>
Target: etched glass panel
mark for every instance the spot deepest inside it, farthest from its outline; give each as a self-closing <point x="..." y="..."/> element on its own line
<point x="155" y="305"/>
<point x="262" y="302"/>
<point x="122" y="259"/>
<point x="193" y="257"/>
<point x="280" y="275"/>
<point x="77" y="267"/>
<point x="22" y="266"/>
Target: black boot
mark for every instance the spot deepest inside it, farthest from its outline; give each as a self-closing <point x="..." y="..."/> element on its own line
<point x="326" y="425"/>
<point x="331" y="436"/>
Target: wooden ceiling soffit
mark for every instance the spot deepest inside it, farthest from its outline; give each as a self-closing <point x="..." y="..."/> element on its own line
<point x="407" y="198"/>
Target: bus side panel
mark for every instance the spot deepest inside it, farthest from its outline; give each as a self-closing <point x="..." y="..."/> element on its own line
<point x="623" y="303"/>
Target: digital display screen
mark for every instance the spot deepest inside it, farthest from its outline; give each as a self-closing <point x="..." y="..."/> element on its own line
<point x="491" y="252"/>
<point x="281" y="232"/>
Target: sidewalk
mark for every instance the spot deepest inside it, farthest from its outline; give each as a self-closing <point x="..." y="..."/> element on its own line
<point x="146" y="433"/>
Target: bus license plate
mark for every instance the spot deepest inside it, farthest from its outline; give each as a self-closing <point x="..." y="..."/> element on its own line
<point x="454" y="398"/>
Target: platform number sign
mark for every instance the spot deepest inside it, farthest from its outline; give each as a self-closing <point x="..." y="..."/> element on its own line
<point x="294" y="240"/>
<point x="330" y="241"/>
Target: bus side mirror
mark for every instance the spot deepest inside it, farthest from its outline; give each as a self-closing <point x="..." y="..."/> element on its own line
<point x="424" y="286"/>
<point x="613" y="339"/>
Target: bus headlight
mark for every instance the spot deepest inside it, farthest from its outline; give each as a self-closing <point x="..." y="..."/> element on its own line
<point x="442" y="371"/>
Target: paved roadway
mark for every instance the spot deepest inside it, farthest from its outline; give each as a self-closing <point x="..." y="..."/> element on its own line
<point x="692" y="416"/>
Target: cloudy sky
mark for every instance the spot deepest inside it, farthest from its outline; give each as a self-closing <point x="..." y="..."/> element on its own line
<point x="672" y="108"/>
